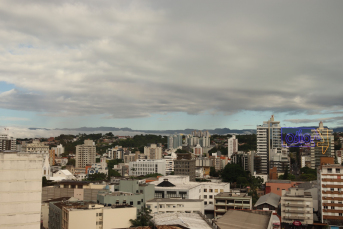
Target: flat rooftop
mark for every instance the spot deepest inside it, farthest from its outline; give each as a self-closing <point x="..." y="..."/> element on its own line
<point x="174" y="200"/>
<point x="244" y="219"/>
<point x="230" y="194"/>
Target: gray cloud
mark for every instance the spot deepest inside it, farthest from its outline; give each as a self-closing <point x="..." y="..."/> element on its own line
<point x="128" y="59"/>
<point x="324" y="120"/>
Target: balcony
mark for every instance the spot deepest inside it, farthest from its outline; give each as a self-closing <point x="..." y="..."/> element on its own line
<point x="291" y="217"/>
<point x="294" y="205"/>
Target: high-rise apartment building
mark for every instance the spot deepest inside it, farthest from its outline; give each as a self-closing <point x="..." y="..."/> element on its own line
<point x="174" y="141"/>
<point x="20" y="190"/>
<point x="59" y="150"/>
<point x="153" y="151"/>
<point x="7" y="143"/>
<point x="85" y="154"/>
<point x="323" y="147"/>
<point x="232" y="145"/>
<point x="268" y="141"/>
<point x="330" y="183"/>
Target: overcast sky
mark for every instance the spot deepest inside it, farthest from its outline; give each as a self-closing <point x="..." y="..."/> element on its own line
<point x="170" y="64"/>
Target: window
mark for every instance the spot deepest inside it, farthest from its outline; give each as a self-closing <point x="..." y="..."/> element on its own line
<point x="338" y="171"/>
<point x="332" y="201"/>
<point x="325" y="207"/>
<point x="221" y="190"/>
<point x="124" y="201"/>
<point x="340" y="214"/>
<point x="131" y="202"/>
<point x="332" y="189"/>
<point x="205" y="202"/>
<point x="278" y="189"/>
<point x="332" y="207"/>
<point x="117" y="201"/>
<point x="97" y="214"/>
<point x="138" y="202"/>
<point x="329" y="170"/>
<point x="211" y="197"/>
<point x="210" y="202"/>
<point x="205" y="189"/>
<point x="216" y="190"/>
<point x="211" y="190"/>
<point x="100" y="214"/>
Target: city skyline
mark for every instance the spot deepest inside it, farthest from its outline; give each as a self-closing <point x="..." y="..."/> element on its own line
<point x="163" y="65"/>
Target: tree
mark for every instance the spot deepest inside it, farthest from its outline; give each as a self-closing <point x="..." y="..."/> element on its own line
<point x="285" y="175"/>
<point x="143" y="218"/>
<point x="213" y="172"/>
<point x="231" y="172"/>
<point x="242" y="181"/>
<point x="96" y="177"/>
<point x="181" y="151"/>
<point x="71" y="162"/>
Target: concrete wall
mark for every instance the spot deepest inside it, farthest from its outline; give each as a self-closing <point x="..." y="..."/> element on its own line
<point x="20" y="190"/>
<point x="118" y="217"/>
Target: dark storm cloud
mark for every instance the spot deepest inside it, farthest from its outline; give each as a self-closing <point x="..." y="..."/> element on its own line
<point x="128" y="59"/>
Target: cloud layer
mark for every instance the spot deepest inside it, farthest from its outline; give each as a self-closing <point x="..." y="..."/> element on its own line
<point x="129" y="59"/>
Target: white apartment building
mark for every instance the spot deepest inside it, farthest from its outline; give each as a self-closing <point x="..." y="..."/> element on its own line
<point x="330" y="180"/>
<point x="143" y="167"/>
<point x="7" y="143"/>
<point x="36" y="146"/>
<point x="20" y="190"/>
<point x="232" y="145"/>
<point x="99" y="167"/>
<point x="268" y="139"/>
<point x="179" y="186"/>
<point x="175" y="206"/>
<point x="85" y="154"/>
<point x="153" y="151"/>
<point x="296" y="205"/>
<point x="318" y="151"/>
<point x="59" y="150"/>
<point x="305" y="161"/>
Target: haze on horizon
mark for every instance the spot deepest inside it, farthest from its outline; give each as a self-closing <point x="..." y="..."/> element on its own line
<point x="159" y="65"/>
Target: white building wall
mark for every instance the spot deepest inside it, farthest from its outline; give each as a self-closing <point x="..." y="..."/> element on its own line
<point x="160" y="206"/>
<point x="20" y="190"/>
<point x="147" y="166"/>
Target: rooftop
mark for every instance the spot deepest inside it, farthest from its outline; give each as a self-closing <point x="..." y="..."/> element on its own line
<point x="231" y="194"/>
<point x="175" y="200"/>
<point x="270" y="198"/>
<point x="244" y="219"/>
<point x="188" y="220"/>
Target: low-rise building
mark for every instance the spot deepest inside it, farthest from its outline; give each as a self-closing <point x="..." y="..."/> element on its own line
<point x="181" y="187"/>
<point x="130" y="192"/>
<point x="62" y="175"/>
<point x="268" y="202"/>
<point x="175" y="206"/>
<point x="180" y="220"/>
<point x="143" y="167"/>
<point x="246" y="220"/>
<point x="277" y="186"/>
<point x="296" y="205"/>
<point x="89" y="215"/>
<point x="231" y="200"/>
<point x="36" y="146"/>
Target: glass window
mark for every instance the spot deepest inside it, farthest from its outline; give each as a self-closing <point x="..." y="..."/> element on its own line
<point x="205" y="202"/>
<point x="216" y="190"/>
<point x="211" y="197"/>
<point x="205" y="196"/>
<point x="205" y="189"/>
<point x="221" y="190"/>
<point x="338" y="171"/>
<point x="131" y="202"/>
<point x="211" y="190"/>
<point x="332" y="189"/>
<point x="329" y="170"/>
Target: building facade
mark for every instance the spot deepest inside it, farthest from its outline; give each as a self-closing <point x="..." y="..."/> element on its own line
<point x="268" y="140"/>
<point x="232" y="145"/>
<point x="153" y="151"/>
<point x="36" y="146"/>
<point x="323" y="140"/>
<point x="296" y="205"/>
<point x="231" y="200"/>
<point x="85" y="154"/>
<point x="330" y="180"/>
<point x="143" y="167"/>
<point x="185" y="167"/>
<point x="7" y="143"/>
<point x="175" y="206"/>
<point x="20" y="190"/>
